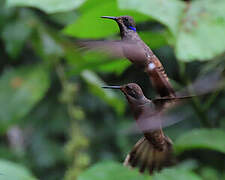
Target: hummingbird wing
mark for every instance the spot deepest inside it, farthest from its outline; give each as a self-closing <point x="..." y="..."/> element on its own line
<point x="157" y="119"/>
<point x="164" y="115"/>
<point x="139" y="54"/>
<point x="204" y="84"/>
<point x="168" y="110"/>
<point x="161" y="119"/>
<point x="117" y="48"/>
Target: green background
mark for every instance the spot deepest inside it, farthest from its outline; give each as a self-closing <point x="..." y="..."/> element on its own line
<point x="56" y="122"/>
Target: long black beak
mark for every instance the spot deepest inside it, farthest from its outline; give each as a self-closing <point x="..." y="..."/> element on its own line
<point x="112" y="87"/>
<point x="110" y="17"/>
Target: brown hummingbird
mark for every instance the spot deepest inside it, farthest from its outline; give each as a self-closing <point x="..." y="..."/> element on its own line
<point x="154" y="150"/>
<point x="133" y="48"/>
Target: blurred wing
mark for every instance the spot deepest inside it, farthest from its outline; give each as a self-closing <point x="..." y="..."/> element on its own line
<point x="113" y="48"/>
<point x="149" y="122"/>
<point x="127" y="49"/>
<point x="201" y="86"/>
<point x="160" y="120"/>
<point x="204" y="84"/>
<point x="168" y="112"/>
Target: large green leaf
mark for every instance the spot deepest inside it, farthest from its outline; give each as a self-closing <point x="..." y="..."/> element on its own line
<point x="154" y="39"/>
<point x="201" y="139"/>
<point x="15" y="33"/>
<point x="111" y="171"/>
<point x="176" y="174"/>
<point x="90" y="25"/>
<point x="47" y="45"/>
<point x="168" y="12"/>
<point x="209" y="173"/>
<point x="20" y="90"/>
<point x="202" y="31"/>
<point x="49" y="6"/>
<point x="198" y="26"/>
<point x="115" y="66"/>
<point x="10" y="170"/>
<point x="109" y="96"/>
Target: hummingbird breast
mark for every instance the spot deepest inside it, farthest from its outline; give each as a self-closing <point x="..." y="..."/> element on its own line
<point x="155" y="136"/>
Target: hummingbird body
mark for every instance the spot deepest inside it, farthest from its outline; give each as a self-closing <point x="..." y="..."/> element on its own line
<point x="151" y="64"/>
<point x="154" y="150"/>
<point x="156" y="137"/>
<point x="134" y="49"/>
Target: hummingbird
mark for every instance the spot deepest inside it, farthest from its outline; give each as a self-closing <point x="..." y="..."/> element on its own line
<point x="134" y="49"/>
<point x="154" y="150"/>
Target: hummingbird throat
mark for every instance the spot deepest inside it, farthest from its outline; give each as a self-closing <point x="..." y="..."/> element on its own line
<point x="132" y="28"/>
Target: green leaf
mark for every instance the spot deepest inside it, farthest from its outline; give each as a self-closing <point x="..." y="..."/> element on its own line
<point x="49" y="6"/>
<point x="47" y="45"/>
<point x="109" y="96"/>
<point x="90" y="25"/>
<point x="115" y="66"/>
<point x="20" y="90"/>
<point x="64" y="18"/>
<point x="15" y="33"/>
<point x="202" y="31"/>
<point x="111" y="171"/>
<point x="209" y="173"/>
<point x="212" y="139"/>
<point x="153" y="39"/>
<point x="168" y="12"/>
<point x="176" y="173"/>
<point x="10" y="170"/>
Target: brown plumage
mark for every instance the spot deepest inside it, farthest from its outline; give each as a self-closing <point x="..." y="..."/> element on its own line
<point x="154" y="150"/>
<point x="133" y="48"/>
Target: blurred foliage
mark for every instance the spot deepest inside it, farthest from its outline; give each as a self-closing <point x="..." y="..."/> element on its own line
<point x="201" y="138"/>
<point x="23" y="86"/>
<point x="55" y="119"/>
<point x="112" y="170"/>
<point x="19" y="172"/>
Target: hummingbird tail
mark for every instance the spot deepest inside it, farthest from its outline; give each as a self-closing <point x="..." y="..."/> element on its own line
<point x="144" y="155"/>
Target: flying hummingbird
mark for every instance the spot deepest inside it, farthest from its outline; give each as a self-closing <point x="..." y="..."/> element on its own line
<point x="133" y="48"/>
<point x="154" y="150"/>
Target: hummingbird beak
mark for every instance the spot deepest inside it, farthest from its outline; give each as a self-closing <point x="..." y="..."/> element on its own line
<point x="112" y="87"/>
<point x="110" y="17"/>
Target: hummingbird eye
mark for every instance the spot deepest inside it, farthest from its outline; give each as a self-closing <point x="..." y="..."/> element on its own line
<point x="126" y="22"/>
<point x="129" y="24"/>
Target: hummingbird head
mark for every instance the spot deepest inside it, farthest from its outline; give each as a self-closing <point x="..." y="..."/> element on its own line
<point x="133" y="93"/>
<point x="126" y="24"/>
